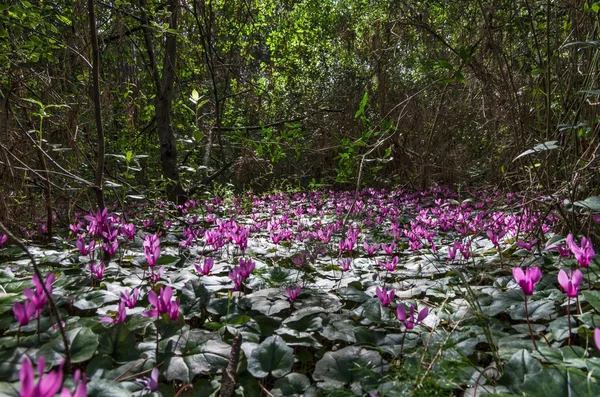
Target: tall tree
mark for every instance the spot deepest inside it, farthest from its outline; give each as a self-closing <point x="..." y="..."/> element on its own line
<point x="164" y="97"/>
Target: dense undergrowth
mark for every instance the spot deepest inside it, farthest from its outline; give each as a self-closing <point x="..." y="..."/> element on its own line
<point x="386" y="293"/>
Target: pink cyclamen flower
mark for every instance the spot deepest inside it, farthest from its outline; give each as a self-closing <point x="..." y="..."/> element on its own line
<point x="162" y="303"/>
<point x="389" y="248"/>
<point x="570" y="282"/>
<point x="409" y="322"/>
<point x="246" y="267"/>
<point x="128" y="231"/>
<point x="563" y="252"/>
<point x="48" y="385"/>
<point x="151" y="249"/>
<point x="293" y="293"/>
<point x="130" y="299"/>
<point x="236" y="276"/>
<point x="97" y="270"/>
<point x="345" y="264"/>
<point x="119" y="318"/>
<point x="155" y="277"/>
<point x="597" y="338"/>
<point x="585" y="254"/>
<point x="207" y="266"/>
<point x="80" y="386"/>
<point x="23" y="311"/>
<point x="38" y="297"/>
<point x="528" y="279"/>
<point x="385" y="296"/>
<point x="3" y="239"/>
<point x="150" y="382"/>
<point x="390" y="265"/>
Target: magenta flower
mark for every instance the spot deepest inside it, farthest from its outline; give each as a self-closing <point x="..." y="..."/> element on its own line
<point x="155" y="277"/>
<point x="236" y="276"/>
<point x="3" y="239"/>
<point x="47" y="385"/>
<point x="151" y="249"/>
<point x="390" y="265"/>
<point x="410" y="322"/>
<point x="98" y="222"/>
<point x="570" y="282"/>
<point x="111" y="247"/>
<point x="389" y="248"/>
<point x="23" y="311"/>
<point x="293" y="293"/>
<point x="38" y="297"/>
<point x="128" y="231"/>
<point x="207" y="266"/>
<point x="150" y="382"/>
<point x="119" y="318"/>
<point x="97" y="270"/>
<point x="563" y="251"/>
<point x="130" y="299"/>
<point x="80" y="386"/>
<point x="585" y="254"/>
<point x="246" y="267"/>
<point x="345" y="264"/>
<point x="452" y="252"/>
<point x="597" y="337"/>
<point x="385" y="296"/>
<point x="370" y="249"/>
<point x="528" y="279"/>
<point x="162" y="303"/>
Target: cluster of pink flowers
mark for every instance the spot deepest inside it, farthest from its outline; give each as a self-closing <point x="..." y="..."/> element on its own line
<point x="48" y="384"/>
<point x="239" y="273"/>
<point x="35" y="302"/>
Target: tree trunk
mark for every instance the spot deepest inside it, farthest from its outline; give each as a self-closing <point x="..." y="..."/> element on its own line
<point x="162" y="102"/>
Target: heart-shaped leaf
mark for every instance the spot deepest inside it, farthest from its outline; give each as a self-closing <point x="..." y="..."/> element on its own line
<point x="273" y="356"/>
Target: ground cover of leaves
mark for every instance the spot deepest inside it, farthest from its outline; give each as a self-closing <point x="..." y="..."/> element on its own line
<point x="386" y="293"/>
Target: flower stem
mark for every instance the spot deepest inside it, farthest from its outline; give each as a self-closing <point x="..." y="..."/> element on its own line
<point x="569" y="318"/>
<point x="529" y="324"/>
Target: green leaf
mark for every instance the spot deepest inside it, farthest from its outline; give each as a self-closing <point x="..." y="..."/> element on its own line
<point x="520" y="364"/>
<point x="339" y="330"/>
<point x="553" y="382"/>
<point x="591" y="203"/>
<point x="273" y="356"/>
<point x="269" y="307"/>
<point x="83" y="344"/>
<point x="337" y="368"/>
<point x="291" y="385"/>
<point x="194" y="298"/>
<point x="361" y="107"/>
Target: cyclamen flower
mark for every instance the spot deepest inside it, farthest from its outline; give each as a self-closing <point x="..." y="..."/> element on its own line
<point x="97" y="270"/>
<point x="163" y="304"/>
<point x="370" y="249"/>
<point x="151" y="249"/>
<point x="528" y="279"/>
<point x="293" y="293"/>
<point x="3" y="239"/>
<point x="389" y="248"/>
<point x="236" y="276"/>
<point x="130" y="299"/>
<point x="150" y="382"/>
<point x="23" y="311"/>
<point x="119" y="318"/>
<point x="38" y="297"/>
<point x="391" y="266"/>
<point x="585" y="254"/>
<point x="597" y="338"/>
<point x="385" y="296"/>
<point x="205" y="269"/>
<point x="563" y="252"/>
<point x="345" y="264"/>
<point x="410" y="322"/>
<point x="80" y="386"/>
<point x="98" y="222"/>
<point x="570" y="282"/>
<point x="128" y="230"/>
<point x="246" y="267"/>
<point x="48" y="385"/>
<point x="155" y="277"/>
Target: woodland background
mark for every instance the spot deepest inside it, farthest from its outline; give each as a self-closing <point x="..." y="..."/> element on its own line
<point x="182" y="94"/>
